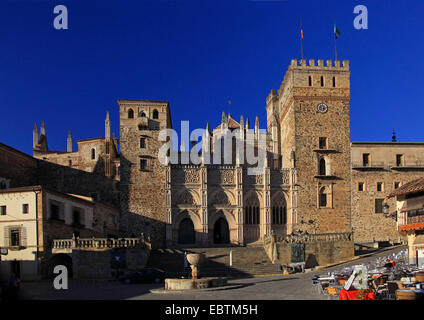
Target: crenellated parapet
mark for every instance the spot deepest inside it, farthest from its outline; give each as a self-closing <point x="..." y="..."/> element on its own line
<point x="311" y="63"/>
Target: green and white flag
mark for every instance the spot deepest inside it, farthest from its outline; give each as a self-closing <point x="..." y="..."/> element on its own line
<point x="336" y="32"/>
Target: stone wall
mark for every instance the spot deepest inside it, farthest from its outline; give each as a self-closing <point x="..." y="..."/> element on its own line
<point x="89" y="264"/>
<point x="69" y="180"/>
<point x="369" y="226"/>
<point x="320" y="250"/>
<point x="17" y="167"/>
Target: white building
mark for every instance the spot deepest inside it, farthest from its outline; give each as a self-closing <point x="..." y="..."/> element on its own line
<point x="30" y="217"/>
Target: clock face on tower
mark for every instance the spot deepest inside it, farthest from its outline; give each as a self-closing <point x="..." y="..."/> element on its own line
<point x="322" y="108"/>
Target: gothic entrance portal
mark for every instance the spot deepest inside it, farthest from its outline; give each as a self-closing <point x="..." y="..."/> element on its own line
<point x="221" y="232"/>
<point x="186" y="234"/>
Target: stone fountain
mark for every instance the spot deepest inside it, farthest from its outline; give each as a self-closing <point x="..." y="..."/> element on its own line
<point x="195" y="260"/>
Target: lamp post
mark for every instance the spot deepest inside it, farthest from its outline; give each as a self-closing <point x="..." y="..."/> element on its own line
<point x="386" y="212"/>
<point x="3" y="251"/>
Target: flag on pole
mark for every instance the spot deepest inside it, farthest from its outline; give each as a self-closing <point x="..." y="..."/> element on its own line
<point x="301" y="39"/>
<point x="336" y="32"/>
<point x="336" y="35"/>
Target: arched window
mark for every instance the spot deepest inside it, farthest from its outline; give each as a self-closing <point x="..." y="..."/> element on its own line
<point x="279" y="215"/>
<point x="130" y="114"/>
<point x="93" y="154"/>
<point x="279" y="211"/>
<point x="323" y="197"/>
<point x="155" y="114"/>
<point x="310" y="81"/>
<point x="252" y="215"/>
<point x="322" y="167"/>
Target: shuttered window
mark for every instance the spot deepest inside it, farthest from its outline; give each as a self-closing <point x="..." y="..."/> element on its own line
<point x="15" y="236"/>
<point x="6" y="236"/>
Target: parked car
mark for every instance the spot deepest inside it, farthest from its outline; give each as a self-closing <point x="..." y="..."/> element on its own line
<point x="146" y="275"/>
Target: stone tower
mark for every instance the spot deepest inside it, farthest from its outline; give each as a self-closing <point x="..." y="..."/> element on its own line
<point x="309" y="116"/>
<point x="142" y="175"/>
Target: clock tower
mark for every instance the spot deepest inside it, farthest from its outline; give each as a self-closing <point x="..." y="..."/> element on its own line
<point x="311" y="110"/>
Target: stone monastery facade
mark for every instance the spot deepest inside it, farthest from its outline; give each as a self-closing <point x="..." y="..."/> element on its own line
<point x="314" y="180"/>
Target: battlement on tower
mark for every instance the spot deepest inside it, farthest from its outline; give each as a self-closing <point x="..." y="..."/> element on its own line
<point x="320" y="74"/>
<point x="319" y="64"/>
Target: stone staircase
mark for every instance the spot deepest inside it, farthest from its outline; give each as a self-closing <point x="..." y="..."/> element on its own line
<point x="247" y="261"/>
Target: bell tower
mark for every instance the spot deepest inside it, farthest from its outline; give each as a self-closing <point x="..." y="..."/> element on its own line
<point x="142" y="175"/>
<point x="311" y="113"/>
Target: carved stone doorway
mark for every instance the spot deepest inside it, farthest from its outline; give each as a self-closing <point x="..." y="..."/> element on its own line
<point x="221" y="232"/>
<point x="186" y="233"/>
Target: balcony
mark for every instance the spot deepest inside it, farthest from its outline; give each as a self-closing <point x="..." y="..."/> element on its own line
<point x="416" y="219"/>
<point x="325" y="150"/>
<point x="412" y="220"/>
<point x="408" y="165"/>
<point x="371" y="165"/>
<point x="96" y="244"/>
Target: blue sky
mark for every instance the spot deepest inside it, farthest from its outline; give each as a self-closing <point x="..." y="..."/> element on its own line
<point x="197" y="55"/>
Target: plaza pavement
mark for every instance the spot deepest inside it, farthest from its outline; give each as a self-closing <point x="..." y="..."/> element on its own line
<point x="281" y="287"/>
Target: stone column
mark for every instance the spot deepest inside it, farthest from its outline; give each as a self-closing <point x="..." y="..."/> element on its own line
<point x="412" y="253"/>
<point x="292" y="210"/>
<point x="240" y="211"/>
<point x="168" y="207"/>
<point x="267" y="205"/>
<point x="204" y="204"/>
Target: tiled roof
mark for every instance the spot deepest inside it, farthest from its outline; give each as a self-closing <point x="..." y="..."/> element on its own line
<point x="413" y="186"/>
<point x="232" y="124"/>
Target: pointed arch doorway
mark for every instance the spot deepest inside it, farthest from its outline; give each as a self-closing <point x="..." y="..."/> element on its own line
<point x="221" y="232"/>
<point x="186" y="233"/>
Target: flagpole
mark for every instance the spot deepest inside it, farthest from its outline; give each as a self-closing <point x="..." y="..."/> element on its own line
<point x="335" y="39"/>
<point x="335" y="45"/>
<point x="301" y="38"/>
